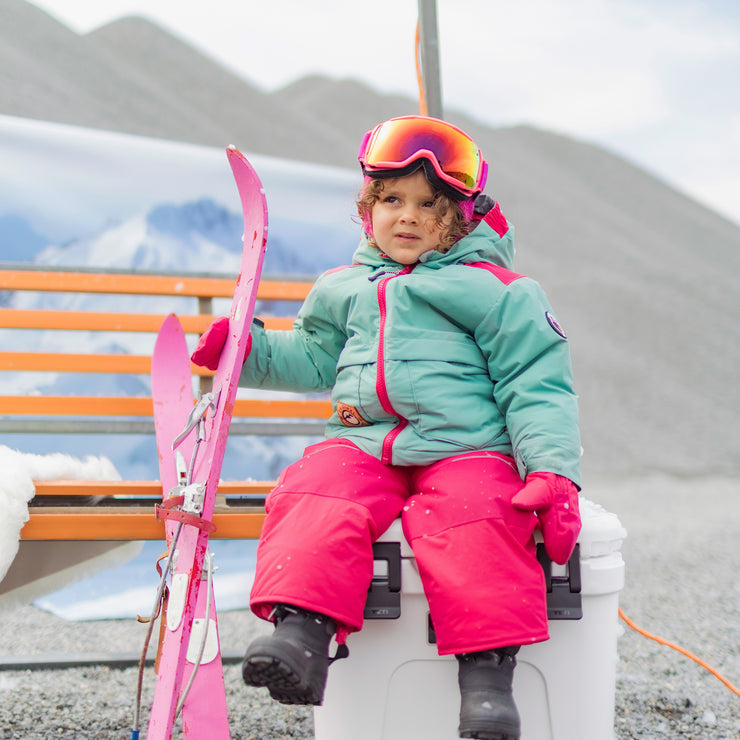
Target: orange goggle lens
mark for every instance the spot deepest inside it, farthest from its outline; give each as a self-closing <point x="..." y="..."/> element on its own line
<point x="399" y="142"/>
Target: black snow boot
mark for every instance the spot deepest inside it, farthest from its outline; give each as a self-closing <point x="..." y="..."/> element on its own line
<point x="487" y="709"/>
<point x="294" y="660"/>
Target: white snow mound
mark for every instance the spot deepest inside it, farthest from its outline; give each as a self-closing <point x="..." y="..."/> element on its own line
<point x="19" y="471"/>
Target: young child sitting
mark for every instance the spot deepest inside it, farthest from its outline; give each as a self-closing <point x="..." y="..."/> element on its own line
<point x="453" y="409"/>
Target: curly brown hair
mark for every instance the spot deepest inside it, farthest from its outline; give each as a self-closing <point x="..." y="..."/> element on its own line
<point x="452" y="229"/>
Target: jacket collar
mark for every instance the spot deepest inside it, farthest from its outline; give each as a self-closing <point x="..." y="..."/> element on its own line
<point x="483" y="244"/>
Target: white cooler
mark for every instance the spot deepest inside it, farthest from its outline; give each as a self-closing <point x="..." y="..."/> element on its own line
<point x="394" y="685"/>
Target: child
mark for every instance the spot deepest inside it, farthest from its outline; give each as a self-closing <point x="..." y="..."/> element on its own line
<point x="453" y="408"/>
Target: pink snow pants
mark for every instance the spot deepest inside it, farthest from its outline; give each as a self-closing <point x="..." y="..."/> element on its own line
<point x="474" y="550"/>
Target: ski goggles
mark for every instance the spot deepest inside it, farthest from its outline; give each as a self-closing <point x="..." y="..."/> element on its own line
<point x="401" y="145"/>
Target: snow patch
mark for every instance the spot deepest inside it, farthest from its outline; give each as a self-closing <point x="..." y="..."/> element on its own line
<point x="17" y="488"/>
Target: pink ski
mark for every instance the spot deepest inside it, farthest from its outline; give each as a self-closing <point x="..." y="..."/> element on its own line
<point x="191" y="440"/>
<point x="201" y="699"/>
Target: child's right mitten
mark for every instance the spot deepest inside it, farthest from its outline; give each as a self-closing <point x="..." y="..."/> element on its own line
<point x="208" y="350"/>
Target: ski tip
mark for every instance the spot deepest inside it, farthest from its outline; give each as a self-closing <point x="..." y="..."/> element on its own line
<point x="235" y="156"/>
<point x="233" y="153"/>
<point x="171" y="323"/>
<point x="170" y="331"/>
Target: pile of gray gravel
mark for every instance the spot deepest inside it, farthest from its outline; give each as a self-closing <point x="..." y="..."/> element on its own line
<point x="88" y="703"/>
<point x="682" y="584"/>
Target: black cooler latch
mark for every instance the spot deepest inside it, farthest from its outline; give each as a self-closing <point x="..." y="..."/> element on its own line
<point x="384" y="594"/>
<point x="563" y="592"/>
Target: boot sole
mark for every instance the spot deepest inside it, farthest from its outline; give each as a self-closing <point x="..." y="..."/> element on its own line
<point x="263" y="668"/>
<point x="480" y="734"/>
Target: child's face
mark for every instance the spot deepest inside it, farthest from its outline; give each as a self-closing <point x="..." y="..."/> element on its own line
<point x="405" y="220"/>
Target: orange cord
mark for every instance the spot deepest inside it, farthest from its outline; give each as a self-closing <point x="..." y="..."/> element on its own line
<point x="681" y="650"/>
<point x="419" y="76"/>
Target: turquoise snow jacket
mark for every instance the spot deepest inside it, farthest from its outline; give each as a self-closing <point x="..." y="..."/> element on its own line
<point x="451" y="355"/>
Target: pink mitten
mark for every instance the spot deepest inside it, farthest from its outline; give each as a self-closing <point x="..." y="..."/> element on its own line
<point x="208" y="350"/>
<point x="555" y="499"/>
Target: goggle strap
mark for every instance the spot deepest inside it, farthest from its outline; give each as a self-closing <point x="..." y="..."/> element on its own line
<point x="363" y="146"/>
<point x="483" y="174"/>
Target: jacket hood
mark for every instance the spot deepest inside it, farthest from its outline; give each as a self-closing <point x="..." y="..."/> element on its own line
<point x="483" y="244"/>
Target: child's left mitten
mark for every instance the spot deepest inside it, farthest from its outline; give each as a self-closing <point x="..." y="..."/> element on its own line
<point x="555" y="499"/>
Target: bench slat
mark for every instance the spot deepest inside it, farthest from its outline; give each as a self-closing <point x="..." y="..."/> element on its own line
<point x="14" y="318"/>
<point x="134" y="488"/>
<point x="175" y="285"/>
<point x="142" y="406"/>
<point x="134" y="523"/>
<point x="68" y="362"/>
<point x="64" y="362"/>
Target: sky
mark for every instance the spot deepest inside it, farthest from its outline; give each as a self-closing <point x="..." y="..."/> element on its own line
<point x="655" y="81"/>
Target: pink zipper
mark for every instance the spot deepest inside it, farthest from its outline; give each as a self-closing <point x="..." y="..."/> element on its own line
<point x="380" y="386"/>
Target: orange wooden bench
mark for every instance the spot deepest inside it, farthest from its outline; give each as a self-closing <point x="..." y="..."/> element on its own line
<point x="124" y="509"/>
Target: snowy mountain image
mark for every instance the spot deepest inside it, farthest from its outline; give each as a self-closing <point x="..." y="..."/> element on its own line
<point x="196" y="236"/>
<point x="201" y="237"/>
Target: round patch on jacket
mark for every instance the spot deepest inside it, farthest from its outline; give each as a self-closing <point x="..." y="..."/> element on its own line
<point x="350" y="416"/>
<point x="555" y="325"/>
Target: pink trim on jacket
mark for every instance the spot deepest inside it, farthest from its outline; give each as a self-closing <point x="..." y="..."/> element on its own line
<point x="380" y="386"/>
<point x="507" y="277"/>
<point x="496" y="220"/>
<point x="337" y="269"/>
